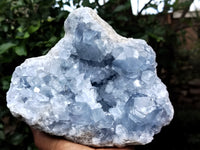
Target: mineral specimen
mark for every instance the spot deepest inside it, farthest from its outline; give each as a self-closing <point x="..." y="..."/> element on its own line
<point x="94" y="87"/>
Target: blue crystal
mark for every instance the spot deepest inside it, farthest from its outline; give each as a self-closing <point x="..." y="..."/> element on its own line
<point x="94" y="87"/>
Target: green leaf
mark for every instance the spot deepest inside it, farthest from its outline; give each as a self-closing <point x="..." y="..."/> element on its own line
<point x="26" y="35"/>
<point x="2" y="18"/>
<point x="2" y="135"/>
<point x="5" y="85"/>
<point x="22" y="36"/>
<point x="34" y="28"/>
<point x="20" y="29"/>
<point x="12" y="27"/>
<point x="121" y="8"/>
<point x="51" y="41"/>
<point x="5" y="81"/>
<point x="6" y="46"/>
<point x="61" y="15"/>
<point x="5" y="28"/>
<point x="21" y="50"/>
<point x="1" y="126"/>
<point x="156" y="37"/>
<point x="50" y="19"/>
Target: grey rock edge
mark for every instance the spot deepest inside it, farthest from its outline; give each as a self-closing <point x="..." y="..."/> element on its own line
<point x="94" y="87"/>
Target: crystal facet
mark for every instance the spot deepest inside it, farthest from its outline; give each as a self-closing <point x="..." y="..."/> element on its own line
<point x="94" y="87"/>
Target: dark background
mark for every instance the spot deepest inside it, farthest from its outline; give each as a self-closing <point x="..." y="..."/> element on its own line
<point x="29" y="28"/>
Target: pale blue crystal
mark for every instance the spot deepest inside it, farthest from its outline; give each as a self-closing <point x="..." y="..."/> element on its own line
<point x="94" y="87"/>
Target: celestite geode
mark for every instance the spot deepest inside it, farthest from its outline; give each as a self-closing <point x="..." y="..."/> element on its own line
<point x="94" y="87"/>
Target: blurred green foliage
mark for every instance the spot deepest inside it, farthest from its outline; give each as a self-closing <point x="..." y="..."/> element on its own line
<point x="29" y="28"/>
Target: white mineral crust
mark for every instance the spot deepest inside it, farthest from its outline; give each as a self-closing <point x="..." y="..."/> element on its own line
<point x="94" y="87"/>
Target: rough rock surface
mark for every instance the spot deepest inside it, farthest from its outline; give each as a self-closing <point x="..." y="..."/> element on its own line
<point x="94" y="87"/>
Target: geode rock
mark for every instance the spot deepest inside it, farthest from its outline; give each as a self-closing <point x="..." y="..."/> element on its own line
<point x="94" y="87"/>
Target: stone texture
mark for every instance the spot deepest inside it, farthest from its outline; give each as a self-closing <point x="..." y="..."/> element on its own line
<point x="94" y="87"/>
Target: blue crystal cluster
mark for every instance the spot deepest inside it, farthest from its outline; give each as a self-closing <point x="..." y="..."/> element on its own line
<point x="94" y="87"/>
